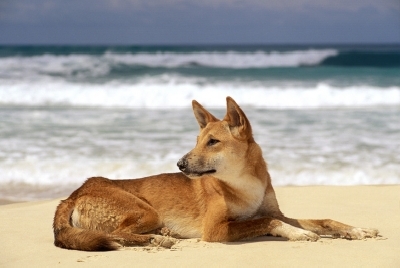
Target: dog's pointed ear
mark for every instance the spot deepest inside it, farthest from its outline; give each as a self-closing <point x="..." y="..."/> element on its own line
<point x="237" y="120"/>
<point x="202" y="115"/>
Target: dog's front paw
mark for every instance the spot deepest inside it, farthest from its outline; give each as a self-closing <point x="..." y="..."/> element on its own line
<point x="165" y="231"/>
<point x="304" y="235"/>
<point x="163" y="241"/>
<point x="361" y="233"/>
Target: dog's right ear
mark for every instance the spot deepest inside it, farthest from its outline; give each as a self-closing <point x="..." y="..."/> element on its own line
<point x="202" y="115"/>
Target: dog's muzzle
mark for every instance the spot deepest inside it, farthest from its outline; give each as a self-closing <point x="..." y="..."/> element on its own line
<point x="182" y="164"/>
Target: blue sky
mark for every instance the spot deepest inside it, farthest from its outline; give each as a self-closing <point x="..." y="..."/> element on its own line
<point x="199" y="22"/>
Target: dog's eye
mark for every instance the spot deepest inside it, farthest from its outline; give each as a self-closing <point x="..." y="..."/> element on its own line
<point x="212" y="142"/>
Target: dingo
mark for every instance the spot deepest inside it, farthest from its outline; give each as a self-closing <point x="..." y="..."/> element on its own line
<point x="224" y="193"/>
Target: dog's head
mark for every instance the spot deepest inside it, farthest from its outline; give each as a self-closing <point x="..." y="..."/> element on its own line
<point x="222" y="145"/>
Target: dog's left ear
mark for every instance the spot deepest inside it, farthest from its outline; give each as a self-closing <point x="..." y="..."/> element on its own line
<point x="202" y="115"/>
<point x="237" y="120"/>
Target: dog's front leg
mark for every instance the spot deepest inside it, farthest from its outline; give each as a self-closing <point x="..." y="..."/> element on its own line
<point x="333" y="228"/>
<point x="237" y="230"/>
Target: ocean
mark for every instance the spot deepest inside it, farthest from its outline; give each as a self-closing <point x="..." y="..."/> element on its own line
<point x="323" y="115"/>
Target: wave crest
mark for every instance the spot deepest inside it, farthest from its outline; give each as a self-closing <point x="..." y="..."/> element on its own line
<point x="159" y="96"/>
<point x="100" y="65"/>
<point x="229" y="59"/>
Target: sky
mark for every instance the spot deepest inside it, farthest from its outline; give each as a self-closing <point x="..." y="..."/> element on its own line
<point x="136" y="22"/>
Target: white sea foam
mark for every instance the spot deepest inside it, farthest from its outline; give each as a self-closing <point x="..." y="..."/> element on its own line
<point x="230" y="59"/>
<point x="100" y="65"/>
<point x="46" y="178"/>
<point x="51" y="65"/>
<point x="31" y="179"/>
<point x="179" y="95"/>
<point x="46" y="151"/>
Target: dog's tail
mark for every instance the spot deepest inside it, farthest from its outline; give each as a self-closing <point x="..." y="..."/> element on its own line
<point x="70" y="237"/>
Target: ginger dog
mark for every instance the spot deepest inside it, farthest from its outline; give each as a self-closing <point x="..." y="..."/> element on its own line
<point x="224" y="193"/>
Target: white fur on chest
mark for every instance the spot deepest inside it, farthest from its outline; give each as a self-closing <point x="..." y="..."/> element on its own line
<point x="252" y="193"/>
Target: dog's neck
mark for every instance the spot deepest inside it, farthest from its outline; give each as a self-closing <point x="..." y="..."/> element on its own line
<point x="245" y="197"/>
<point x="250" y="182"/>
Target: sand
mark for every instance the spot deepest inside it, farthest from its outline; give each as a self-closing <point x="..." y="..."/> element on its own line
<point x="26" y="238"/>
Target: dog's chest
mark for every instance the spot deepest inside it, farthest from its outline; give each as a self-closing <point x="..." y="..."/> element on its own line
<point x="248" y="203"/>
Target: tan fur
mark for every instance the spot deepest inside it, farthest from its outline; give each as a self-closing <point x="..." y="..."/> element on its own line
<point x="224" y="193"/>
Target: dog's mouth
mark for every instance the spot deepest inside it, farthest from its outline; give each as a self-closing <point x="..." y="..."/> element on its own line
<point x="192" y="173"/>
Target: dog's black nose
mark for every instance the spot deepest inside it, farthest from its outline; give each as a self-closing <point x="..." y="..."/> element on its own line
<point x="182" y="164"/>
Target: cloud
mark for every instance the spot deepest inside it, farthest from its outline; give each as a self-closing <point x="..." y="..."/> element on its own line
<point x="193" y="21"/>
<point x="19" y="9"/>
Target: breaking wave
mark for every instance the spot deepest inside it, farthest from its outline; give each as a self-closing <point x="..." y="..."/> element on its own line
<point x="171" y="95"/>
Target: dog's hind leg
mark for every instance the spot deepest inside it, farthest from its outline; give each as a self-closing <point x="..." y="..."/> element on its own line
<point x="130" y="231"/>
<point x="128" y="240"/>
<point x="327" y="227"/>
<point x="120" y="215"/>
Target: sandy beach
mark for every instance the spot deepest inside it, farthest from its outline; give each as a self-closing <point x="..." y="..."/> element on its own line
<point x="27" y="238"/>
